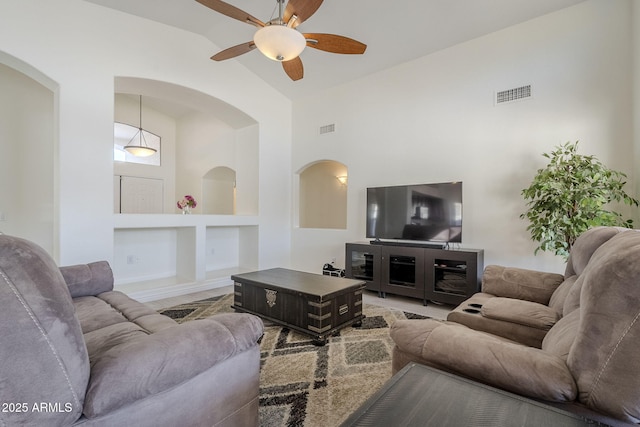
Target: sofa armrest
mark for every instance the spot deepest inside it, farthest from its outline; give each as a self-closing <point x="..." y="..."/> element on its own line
<point x="160" y="361"/>
<point x="519" y="283"/>
<point x="524" y="370"/>
<point x="522" y="312"/>
<point x="88" y="279"/>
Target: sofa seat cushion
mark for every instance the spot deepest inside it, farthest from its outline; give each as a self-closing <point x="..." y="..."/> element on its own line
<point x="129" y="363"/>
<point x="109" y="308"/>
<point x="486" y="358"/>
<point x="93" y="314"/>
<point x="134" y="352"/>
<point x="522" y="312"/>
<point x="493" y="360"/>
<point x="102" y="340"/>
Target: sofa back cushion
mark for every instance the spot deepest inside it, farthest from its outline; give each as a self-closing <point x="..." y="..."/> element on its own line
<point x="585" y="245"/>
<point x="604" y="356"/>
<point x="520" y="283"/>
<point x="560" y="337"/>
<point x="560" y="295"/>
<point x="44" y="366"/>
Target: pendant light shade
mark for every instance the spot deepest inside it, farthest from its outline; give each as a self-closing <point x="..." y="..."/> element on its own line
<point x="141" y="149"/>
<point x="279" y="42"/>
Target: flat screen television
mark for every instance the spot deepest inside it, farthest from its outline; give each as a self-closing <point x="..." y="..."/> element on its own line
<point x="423" y="212"/>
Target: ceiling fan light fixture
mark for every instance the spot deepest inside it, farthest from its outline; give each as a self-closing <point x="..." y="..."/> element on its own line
<point x="279" y="42"/>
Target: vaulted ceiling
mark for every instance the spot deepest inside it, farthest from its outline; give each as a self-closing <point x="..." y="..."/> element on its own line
<point x="395" y="32"/>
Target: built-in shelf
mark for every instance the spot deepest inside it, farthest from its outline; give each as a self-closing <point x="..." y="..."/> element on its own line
<point x="162" y="255"/>
<point x="179" y="220"/>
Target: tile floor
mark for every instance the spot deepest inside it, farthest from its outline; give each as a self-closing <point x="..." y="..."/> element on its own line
<point x="437" y="311"/>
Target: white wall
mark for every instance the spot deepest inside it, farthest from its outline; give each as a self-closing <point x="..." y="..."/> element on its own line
<point x="248" y="173"/>
<point x="434" y="120"/>
<point x="26" y="157"/>
<point x="82" y="48"/>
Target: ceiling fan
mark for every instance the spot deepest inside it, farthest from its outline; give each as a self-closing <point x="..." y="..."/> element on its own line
<point x="278" y="38"/>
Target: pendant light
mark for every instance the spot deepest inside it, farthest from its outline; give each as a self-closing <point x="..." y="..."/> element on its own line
<point x="141" y="149"/>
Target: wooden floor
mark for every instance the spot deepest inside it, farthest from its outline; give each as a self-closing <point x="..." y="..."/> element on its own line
<point x="437" y="311"/>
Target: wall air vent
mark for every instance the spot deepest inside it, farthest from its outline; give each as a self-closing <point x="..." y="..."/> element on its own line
<point x="511" y="95"/>
<point x="327" y="128"/>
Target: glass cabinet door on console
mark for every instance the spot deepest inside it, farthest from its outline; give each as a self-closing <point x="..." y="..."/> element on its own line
<point x="403" y="271"/>
<point x="453" y="275"/>
<point x="450" y="276"/>
<point x="363" y="263"/>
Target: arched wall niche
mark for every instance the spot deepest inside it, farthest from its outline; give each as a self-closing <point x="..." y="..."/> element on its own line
<point x="177" y="95"/>
<point x="29" y="71"/>
<point x="28" y="131"/>
<point x="199" y="133"/>
<point x="219" y="191"/>
<point x="322" y="195"/>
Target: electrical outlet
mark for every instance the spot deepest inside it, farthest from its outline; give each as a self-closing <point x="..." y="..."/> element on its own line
<point x="2" y="216"/>
<point x="132" y="259"/>
<point x="333" y="260"/>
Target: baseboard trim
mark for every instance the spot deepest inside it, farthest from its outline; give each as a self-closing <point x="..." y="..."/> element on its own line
<point x="178" y="289"/>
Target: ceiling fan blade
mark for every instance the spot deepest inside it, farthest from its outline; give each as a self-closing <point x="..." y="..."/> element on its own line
<point x="294" y="68"/>
<point x="231" y="11"/>
<point x="334" y="43"/>
<point x="234" y="51"/>
<point x="303" y="9"/>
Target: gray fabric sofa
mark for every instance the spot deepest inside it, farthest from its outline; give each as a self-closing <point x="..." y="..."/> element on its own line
<point x="76" y="352"/>
<point x="588" y="359"/>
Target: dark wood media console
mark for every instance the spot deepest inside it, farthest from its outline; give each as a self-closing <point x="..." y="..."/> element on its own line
<point x="447" y="276"/>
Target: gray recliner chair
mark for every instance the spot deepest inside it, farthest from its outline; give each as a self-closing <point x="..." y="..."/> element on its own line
<point x="588" y="360"/>
<point x="523" y="305"/>
<point x="75" y="352"/>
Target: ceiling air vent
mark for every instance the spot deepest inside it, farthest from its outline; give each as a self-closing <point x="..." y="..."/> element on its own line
<point x="327" y="128"/>
<point x="511" y="95"/>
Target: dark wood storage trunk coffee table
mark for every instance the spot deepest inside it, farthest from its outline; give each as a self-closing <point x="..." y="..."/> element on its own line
<point x="313" y="304"/>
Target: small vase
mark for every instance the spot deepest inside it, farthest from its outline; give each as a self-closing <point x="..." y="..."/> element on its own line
<point x="186" y="210"/>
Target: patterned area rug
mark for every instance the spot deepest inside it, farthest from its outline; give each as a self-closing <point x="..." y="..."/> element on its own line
<point x="306" y="385"/>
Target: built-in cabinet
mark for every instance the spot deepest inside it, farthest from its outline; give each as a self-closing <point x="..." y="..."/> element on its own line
<point x="440" y="275"/>
<point x="160" y="256"/>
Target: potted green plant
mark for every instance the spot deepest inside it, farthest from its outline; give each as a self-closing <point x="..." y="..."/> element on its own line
<point x="569" y="196"/>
